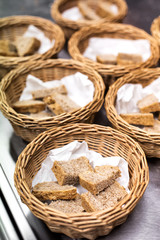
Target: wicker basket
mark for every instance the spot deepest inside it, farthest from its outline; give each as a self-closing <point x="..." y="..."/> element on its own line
<point x="70" y="26"/>
<point x="150" y="142"/>
<point x="14" y="82"/>
<point x="107" y="142"/>
<point x="12" y="27"/>
<point x="79" y="42"/>
<point x="155" y="29"/>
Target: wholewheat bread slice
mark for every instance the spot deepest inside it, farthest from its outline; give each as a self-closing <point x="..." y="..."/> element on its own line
<point x="7" y="48"/>
<point x="27" y="45"/>
<point x="107" y="59"/>
<point x="67" y="172"/>
<point x="97" y="181"/>
<point x="106" y="199"/>
<point x="125" y="59"/>
<point x="40" y="94"/>
<point x="144" y="119"/>
<point x="53" y="191"/>
<point x="68" y="206"/>
<point x="149" y="104"/>
<point x="29" y="106"/>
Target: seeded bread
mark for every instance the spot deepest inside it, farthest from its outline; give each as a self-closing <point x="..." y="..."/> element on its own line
<point x="55" y="108"/>
<point x="125" y="59"/>
<point x="107" y="59"/>
<point x="67" y="172"/>
<point x="29" y="106"/>
<point x="64" y="101"/>
<point x="40" y="94"/>
<point x="149" y="104"/>
<point x="95" y="182"/>
<point x="7" y="48"/>
<point x="145" y="119"/>
<point x="106" y="199"/>
<point x="72" y="206"/>
<point x="27" y="45"/>
<point x="53" y="191"/>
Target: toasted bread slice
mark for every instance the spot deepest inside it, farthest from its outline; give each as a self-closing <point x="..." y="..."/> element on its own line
<point x="29" y="106"/>
<point x="95" y="182"/>
<point x="27" y="45"/>
<point x="40" y="94"/>
<point x="145" y="119"/>
<point x="125" y="59"/>
<point x="107" y="59"/>
<point x="67" y="172"/>
<point x="105" y="199"/>
<point x="53" y="191"/>
<point x="72" y="206"/>
<point x="7" y="48"/>
<point x="149" y="104"/>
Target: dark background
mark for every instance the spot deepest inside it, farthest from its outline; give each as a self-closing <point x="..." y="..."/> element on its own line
<point x="144" y="222"/>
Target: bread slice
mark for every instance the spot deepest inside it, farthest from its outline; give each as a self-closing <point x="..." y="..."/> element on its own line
<point x="63" y="100"/>
<point x="53" y="191"/>
<point x="96" y="182"/>
<point x="107" y="59"/>
<point x="104" y="9"/>
<point x="68" y="206"/>
<point x="41" y="115"/>
<point x="27" y="45"/>
<point x="145" y="119"/>
<point x="7" y="48"/>
<point x="29" y="106"/>
<point x="155" y="128"/>
<point x="55" y="108"/>
<point x="40" y="94"/>
<point x="87" y="11"/>
<point x="106" y="199"/>
<point x="149" y="104"/>
<point x="125" y="59"/>
<point x="67" y="172"/>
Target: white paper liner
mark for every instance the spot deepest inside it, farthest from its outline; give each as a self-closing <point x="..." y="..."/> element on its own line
<point x="46" y="43"/>
<point x="74" y="13"/>
<point x="129" y="95"/>
<point x="80" y="89"/>
<point x="74" y="150"/>
<point x="98" y="46"/>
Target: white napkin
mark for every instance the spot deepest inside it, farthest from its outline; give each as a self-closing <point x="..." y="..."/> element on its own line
<point x="129" y="95"/>
<point x="74" y="150"/>
<point x="72" y="14"/>
<point x="80" y="89"/>
<point x="98" y="46"/>
<point x="46" y="43"/>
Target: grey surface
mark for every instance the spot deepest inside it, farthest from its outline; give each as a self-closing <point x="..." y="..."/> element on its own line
<point x="144" y="222"/>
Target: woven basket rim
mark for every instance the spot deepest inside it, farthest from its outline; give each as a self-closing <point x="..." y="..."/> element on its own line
<point x="155" y="29"/>
<point x="57" y="16"/>
<point x="115" y="28"/>
<point x="37" y="21"/>
<point x="139" y="134"/>
<point x="24" y="120"/>
<point x="72" y="127"/>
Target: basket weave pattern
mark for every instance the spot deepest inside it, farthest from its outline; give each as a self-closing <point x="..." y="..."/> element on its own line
<point x="106" y="141"/>
<point x="155" y="29"/>
<point x="70" y="26"/>
<point x="79" y="41"/>
<point x="14" y="83"/>
<point x="14" y="26"/>
<point x="150" y="142"/>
